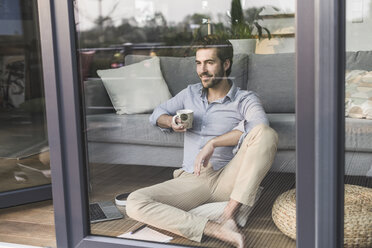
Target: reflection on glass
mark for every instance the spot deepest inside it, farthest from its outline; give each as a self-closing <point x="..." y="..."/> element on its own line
<point x="24" y="157"/>
<point x="358" y="126"/>
<point x="140" y="66"/>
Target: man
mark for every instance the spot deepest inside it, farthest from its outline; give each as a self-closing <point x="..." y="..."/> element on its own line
<point x="224" y="117"/>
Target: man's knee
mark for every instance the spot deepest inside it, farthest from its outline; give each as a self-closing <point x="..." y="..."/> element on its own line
<point x="270" y="134"/>
<point x="265" y="133"/>
<point x="135" y="202"/>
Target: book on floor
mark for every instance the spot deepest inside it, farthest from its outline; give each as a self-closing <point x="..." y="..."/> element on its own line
<point x="148" y="234"/>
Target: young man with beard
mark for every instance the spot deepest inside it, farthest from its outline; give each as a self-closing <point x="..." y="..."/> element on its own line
<point x="224" y="117"/>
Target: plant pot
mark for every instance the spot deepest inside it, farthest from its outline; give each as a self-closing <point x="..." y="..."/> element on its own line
<point x="244" y="45"/>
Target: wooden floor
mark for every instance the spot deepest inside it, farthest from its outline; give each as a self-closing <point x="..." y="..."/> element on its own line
<point x="260" y="230"/>
<point x="24" y="173"/>
<point x="30" y="224"/>
<point x="33" y="224"/>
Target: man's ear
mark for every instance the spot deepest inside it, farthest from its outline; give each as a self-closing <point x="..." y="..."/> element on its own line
<point x="226" y="64"/>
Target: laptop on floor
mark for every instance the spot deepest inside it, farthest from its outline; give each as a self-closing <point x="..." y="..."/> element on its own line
<point x="103" y="211"/>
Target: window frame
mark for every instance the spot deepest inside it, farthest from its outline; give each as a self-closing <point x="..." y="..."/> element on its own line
<point x="319" y="140"/>
<point x="330" y="60"/>
<point x="28" y="194"/>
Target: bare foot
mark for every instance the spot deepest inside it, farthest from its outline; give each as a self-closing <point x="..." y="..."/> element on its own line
<point x="227" y="231"/>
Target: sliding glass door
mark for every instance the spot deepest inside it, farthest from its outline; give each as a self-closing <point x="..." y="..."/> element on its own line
<point x="135" y="55"/>
<point x="110" y="64"/>
<point x="24" y="152"/>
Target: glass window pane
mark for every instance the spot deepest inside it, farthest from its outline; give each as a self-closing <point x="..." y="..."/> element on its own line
<point x="358" y="125"/>
<point x="24" y="156"/>
<point x="141" y="63"/>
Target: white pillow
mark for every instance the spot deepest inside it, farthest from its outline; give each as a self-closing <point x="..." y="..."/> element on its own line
<point x="136" y="88"/>
<point x="213" y="211"/>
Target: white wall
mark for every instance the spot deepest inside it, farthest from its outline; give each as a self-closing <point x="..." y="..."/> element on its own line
<point x="278" y="45"/>
<point x="358" y="34"/>
<point x="358" y="30"/>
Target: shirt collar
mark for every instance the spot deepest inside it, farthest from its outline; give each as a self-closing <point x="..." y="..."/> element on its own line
<point x="231" y="94"/>
<point x="203" y="93"/>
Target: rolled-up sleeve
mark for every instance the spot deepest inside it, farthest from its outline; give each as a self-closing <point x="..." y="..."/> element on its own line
<point x="240" y="127"/>
<point x="168" y="108"/>
<point x="254" y="114"/>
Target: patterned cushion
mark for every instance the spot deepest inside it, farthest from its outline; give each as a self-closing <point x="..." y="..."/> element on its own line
<point x="358" y="94"/>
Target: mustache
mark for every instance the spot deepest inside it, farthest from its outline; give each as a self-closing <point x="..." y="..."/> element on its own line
<point x="205" y="74"/>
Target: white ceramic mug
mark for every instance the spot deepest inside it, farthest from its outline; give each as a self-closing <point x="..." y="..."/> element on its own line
<point x="186" y="116"/>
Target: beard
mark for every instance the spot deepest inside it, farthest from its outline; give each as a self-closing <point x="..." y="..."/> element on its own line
<point x="213" y="79"/>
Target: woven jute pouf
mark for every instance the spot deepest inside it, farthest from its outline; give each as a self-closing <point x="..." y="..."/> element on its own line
<point x="358" y="215"/>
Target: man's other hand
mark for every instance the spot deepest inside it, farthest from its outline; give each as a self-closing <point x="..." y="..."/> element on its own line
<point x="203" y="157"/>
<point x="178" y="126"/>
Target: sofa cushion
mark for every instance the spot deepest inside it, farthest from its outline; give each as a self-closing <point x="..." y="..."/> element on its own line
<point x="130" y="129"/>
<point x="179" y="72"/>
<point x="136" y="129"/>
<point x="358" y="132"/>
<point x="358" y="135"/>
<point x="117" y="153"/>
<point x="272" y="77"/>
<point x="361" y="60"/>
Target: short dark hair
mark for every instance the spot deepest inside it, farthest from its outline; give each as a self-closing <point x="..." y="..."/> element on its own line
<point x="224" y="48"/>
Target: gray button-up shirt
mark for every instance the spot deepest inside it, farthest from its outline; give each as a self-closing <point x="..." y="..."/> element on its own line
<point x="238" y="110"/>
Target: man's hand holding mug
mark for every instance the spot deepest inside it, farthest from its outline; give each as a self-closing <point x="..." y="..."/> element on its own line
<point x="182" y="120"/>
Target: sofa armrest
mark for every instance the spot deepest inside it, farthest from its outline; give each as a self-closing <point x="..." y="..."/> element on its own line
<point x="96" y="99"/>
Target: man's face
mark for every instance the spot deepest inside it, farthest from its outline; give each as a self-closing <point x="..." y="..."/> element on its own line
<point x="209" y="67"/>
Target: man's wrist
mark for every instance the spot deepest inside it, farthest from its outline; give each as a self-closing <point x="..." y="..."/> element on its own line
<point x="164" y="121"/>
<point x="170" y="121"/>
<point x="212" y="143"/>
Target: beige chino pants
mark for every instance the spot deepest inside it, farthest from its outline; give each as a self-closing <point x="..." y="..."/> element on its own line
<point x="166" y="205"/>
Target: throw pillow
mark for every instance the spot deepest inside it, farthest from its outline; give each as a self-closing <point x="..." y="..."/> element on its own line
<point x="136" y="88"/>
<point x="358" y="94"/>
<point x="214" y="210"/>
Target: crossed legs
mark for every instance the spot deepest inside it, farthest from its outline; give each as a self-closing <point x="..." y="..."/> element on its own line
<point x="239" y="181"/>
<point x="166" y="205"/>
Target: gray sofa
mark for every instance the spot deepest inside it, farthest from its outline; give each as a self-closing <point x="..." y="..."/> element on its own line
<point x="130" y="139"/>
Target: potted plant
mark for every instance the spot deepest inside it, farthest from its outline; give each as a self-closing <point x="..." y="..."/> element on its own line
<point x="245" y="28"/>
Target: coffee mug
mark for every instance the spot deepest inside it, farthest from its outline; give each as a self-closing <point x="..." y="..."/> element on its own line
<point x="186" y="116"/>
